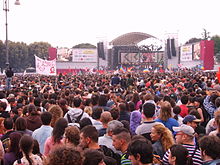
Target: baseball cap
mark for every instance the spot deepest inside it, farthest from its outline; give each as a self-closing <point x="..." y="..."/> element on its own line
<point x="190" y="118"/>
<point x="185" y="129"/>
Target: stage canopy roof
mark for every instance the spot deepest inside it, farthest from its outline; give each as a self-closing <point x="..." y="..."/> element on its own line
<point x="132" y="38"/>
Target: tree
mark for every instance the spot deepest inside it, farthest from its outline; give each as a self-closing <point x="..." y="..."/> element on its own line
<point x="193" y="40"/>
<point x="40" y="49"/>
<point x="216" y="39"/>
<point x="84" y="45"/>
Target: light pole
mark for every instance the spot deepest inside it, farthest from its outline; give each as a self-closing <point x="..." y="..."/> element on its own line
<point x="6" y="9"/>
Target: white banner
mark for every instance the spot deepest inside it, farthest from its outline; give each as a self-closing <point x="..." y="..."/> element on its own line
<point x="84" y="55"/>
<point x="186" y="53"/>
<point x="45" y="67"/>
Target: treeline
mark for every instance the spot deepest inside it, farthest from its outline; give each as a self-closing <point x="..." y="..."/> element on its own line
<point x="21" y="55"/>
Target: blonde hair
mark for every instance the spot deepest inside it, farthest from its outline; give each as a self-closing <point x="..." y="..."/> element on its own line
<point x="88" y="110"/>
<point x="165" y="111"/>
<point x="166" y="137"/>
<point x="56" y="112"/>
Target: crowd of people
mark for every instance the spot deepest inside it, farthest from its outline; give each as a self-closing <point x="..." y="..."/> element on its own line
<point x="112" y="119"/>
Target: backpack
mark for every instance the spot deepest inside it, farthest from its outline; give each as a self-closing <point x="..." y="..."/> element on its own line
<point x="76" y="120"/>
<point x="108" y="152"/>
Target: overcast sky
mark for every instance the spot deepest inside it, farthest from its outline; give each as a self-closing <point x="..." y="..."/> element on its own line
<point x="65" y="23"/>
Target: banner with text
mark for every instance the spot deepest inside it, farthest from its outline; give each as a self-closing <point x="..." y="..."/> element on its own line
<point x="45" y="67"/>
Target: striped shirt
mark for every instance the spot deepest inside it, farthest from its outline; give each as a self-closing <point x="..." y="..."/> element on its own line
<point x="125" y="160"/>
<point x="193" y="152"/>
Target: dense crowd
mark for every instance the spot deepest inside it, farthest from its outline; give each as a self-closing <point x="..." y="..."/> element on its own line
<point x="112" y="119"/>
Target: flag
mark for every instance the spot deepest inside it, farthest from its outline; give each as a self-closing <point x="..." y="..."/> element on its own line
<point x="129" y="69"/>
<point x="146" y="70"/>
<point x="122" y="69"/>
<point x="45" y="67"/>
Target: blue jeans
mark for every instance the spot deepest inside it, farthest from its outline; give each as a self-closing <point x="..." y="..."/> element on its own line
<point x="8" y="83"/>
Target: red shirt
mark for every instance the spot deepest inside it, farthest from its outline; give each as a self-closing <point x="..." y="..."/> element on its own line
<point x="184" y="110"/>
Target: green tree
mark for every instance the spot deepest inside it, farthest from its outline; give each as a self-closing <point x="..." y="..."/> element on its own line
<point x="40" y="49"/>
<point x="84" y="45"/>
<point x="216" y="39"/>
<point x="193" y="40"/>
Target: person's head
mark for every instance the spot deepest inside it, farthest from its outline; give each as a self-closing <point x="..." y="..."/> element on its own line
<point x="56" y="112"/>
<point x="115" y="113"/>
<point x="88" y="135"/>
<point x="14" y="143"/>
<point x="140" y="151"/>
<point x="72" y="135"/>
<point x="217" y="119"/>
<point x="46" y="118"/>
<point x="121" y="138"/>
<point x="105" y="117"/>
<point x="3" y="106"/>
<point x="217" y="102"/>
<point x="112" y="125"/>
<point x="96" y="114"/>
<point x="32" y="109"/>
<point x="8" y="123"/>
<point x="102" y="100"/>
<point x="59" y="129"/>
<point x="93" y="157"/>
<point x="20" y="124"/>
<point x="165" y="111"/>
<point x="26" y="145"/>
<point x="176" y="111"/>
<point x="210" y="147"/>
<point x="184" y="99"/>
<point x="64" y="155"/>
<point x="191" y="120"/>
<point x="77" y="102"/>
<point x="184" y="134"/>
<point x="148" y="110"/>
<point x="122" y="107"/>
<point x="88" y="110"/>
<point x="160" y="133"/>
<point x="84" y="122"/>
<point x="179" y="155"/>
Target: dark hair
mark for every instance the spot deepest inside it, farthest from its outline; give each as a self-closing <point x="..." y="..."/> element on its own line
<point x="176" y="111"/>
<point x="37" y="102"/>
<point x="92" y="157"/>
<point x="59" y="129"/>
<point x="8" y="123"/>
<point x="115" y="113"/>
<point x="77" y="102"/>
<point x="149" y="110"/>
<point x="14" y="144"/>
<point x="102" y="100"/>
<point x="96" y="114"/>
<point x="94" y="99"/>
<point x="26" y="145"/>
<point x="184" y="99"/>
<point x="3" y="105"/>
<point x="32" y="109"/>
<point x="181" y="154"/>
<point x="211" y="146"/>
<point x="64" y="155"/>
<point x="21" y="124"/>
<point x="91" y="132"/>
<point x="143" y="148"/>
<point x="36" y="149"/>
<point x="84" y="122"/>
<point x="46" y="118"/>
